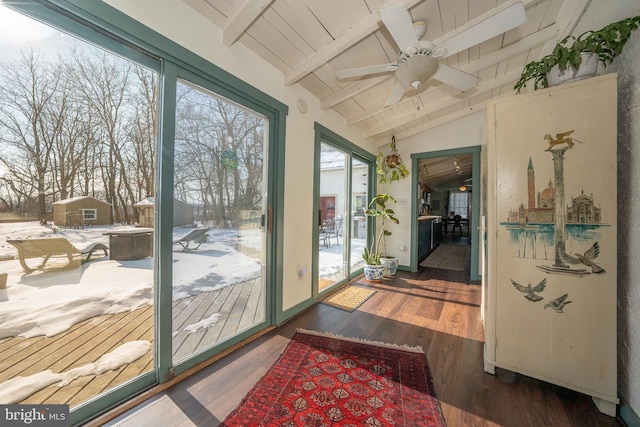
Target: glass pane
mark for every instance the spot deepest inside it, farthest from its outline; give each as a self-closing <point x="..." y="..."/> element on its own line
<point x="359" y="178"/>
<point x="219" y="242"/>
<point x="77" y="150"/>
<point x="333" y="204"/>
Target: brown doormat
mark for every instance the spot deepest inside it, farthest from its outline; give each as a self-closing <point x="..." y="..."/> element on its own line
<point x="447" y="257"/>
<point x="349" y="298"/>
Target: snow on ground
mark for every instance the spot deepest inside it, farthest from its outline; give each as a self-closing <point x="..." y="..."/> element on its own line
<point x="19" y="388"/>
<point x="49" y="302"/>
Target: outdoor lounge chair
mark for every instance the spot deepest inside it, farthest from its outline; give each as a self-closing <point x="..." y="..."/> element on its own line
<point x="47" y="248"/>
<point x="193" y="239"/>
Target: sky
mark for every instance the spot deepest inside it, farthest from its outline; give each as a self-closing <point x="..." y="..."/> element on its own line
<point x="18" y="32"/>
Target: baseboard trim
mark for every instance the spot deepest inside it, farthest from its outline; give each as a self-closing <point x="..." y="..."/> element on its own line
<point x="628" y="415"/>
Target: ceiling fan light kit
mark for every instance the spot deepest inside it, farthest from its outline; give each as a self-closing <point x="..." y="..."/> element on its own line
<point x="417" y="59"/>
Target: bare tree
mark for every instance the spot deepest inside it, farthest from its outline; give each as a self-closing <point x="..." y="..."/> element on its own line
<point x="218" y="156"/>
<point x="28" y="101"/>
<point x="104" y="82"/>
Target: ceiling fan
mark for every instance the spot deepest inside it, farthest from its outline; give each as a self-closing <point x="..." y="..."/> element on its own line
<point x="418" y="59"/>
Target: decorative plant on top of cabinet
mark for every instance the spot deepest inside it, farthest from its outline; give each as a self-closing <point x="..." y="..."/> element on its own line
<point x="572" y="54"/>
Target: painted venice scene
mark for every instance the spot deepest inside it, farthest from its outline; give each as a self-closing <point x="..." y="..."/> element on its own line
<point x="559" y="230"/>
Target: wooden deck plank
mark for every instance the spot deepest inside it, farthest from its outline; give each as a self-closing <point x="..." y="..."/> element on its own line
<point x="38" y="357"/>
<point x="100" y="341"/>
<point x="110" y="335"/>
<point x="215" y="333"/>
<point x="237" y="307"/>
<point x="86" y="341"/>
<point x="251" y="314"/>
<point x="187" y="343"/>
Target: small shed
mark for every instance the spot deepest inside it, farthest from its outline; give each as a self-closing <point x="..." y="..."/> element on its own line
<point x="182" y="212"/>
<point x="81" y="210"/>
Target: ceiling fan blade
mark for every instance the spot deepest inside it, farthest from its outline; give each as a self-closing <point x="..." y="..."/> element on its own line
<point x="502" y="21"/>
<point x="398" y="21"/>
<point x="397" y="92"/>
<point x="456" y="78"/>
<point x="365" y="71"/>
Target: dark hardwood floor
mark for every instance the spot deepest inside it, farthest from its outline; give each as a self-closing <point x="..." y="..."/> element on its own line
<point x="438" y="310"/>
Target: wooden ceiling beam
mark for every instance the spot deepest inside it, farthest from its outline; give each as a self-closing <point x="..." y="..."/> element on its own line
<point x="349" y="38"/>
<point x="242" y="19"/>
<point x="443" y="120"/>
<point x="352" y="90"/>
<point x="568" y="17"/>
<point x="484" y="87"/>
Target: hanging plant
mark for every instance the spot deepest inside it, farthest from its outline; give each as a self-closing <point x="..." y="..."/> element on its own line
<point x="229" y="160"/>
<point x="390" y="168"/>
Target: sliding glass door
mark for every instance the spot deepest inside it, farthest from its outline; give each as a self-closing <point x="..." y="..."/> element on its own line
<point x="343" y="188"/>
<point x="78" y="141"/>
<point x="218" y="210"/>
<point x="333" y="211"/>
<point x="134" y="195"/>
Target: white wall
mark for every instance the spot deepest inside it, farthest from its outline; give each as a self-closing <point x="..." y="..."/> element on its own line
<point x="465" y="132"/>
<point x="180" y="23"/>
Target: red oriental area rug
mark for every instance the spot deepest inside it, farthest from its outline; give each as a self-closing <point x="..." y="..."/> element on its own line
<point x="324" y="380"/>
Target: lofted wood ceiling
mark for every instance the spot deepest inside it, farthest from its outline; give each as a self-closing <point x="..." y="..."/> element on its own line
<point x="309" y="40"/>
<point x="445" y="173"/>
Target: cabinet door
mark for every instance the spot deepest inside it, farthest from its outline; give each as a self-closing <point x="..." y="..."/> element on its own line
<point x="552" y="254"/>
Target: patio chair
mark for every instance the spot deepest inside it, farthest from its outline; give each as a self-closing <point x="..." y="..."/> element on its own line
<point x="55" y="247"/>
<point x="332" y="228"/>
<point x="193" y="239"/>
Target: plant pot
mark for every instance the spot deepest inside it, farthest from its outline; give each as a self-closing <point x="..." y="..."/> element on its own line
<point x="374" y="273"/>
<point x="390" y="265"/>
<point x="588" y="68"/>
<point x="392" y="160"/>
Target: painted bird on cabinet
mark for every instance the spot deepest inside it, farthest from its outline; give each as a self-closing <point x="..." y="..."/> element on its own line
<point x="529" y="291"/>
<point x="558" y="303"/>
<point x="586" y="258"/>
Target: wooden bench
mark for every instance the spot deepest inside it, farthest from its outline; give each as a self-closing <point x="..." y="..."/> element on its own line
<point x="195" y="236"/>
<point x="47" y="248"/>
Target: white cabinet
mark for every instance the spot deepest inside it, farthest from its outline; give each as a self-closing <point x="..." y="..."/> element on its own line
<point x="550" y="301"/>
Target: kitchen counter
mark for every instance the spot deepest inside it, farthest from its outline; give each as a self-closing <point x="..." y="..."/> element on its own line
<point x="438" y="218"/>
<point x="429" y="234"/>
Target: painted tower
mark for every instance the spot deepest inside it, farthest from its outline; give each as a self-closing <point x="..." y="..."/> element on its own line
<point x="531" y="185"/>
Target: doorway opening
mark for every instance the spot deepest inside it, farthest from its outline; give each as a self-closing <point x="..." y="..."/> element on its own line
<point x="447" y="190"/>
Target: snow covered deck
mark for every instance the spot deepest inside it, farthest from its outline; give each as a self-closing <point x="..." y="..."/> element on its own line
<point x="89" y="358"/>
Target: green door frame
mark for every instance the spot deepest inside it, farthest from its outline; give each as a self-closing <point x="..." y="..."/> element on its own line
<point x="475" y="203"/>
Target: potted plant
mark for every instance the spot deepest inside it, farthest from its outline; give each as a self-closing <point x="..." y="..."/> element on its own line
<point x="571" y="54"/>
<point x="377" y="263"/>
<point x="390" y="168"/>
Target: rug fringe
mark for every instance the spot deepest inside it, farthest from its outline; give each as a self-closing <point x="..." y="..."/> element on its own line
<point x="405" y="347"/>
